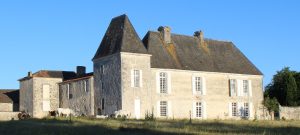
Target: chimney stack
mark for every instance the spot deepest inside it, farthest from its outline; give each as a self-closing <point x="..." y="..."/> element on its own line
<point x="199" y="35"/>
<point x="29" y="74"/>
<point x="80" y="70"/>
<point x="166" y="33"/>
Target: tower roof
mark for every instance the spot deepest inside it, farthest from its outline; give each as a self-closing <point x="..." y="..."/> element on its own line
<point x="120" y="37"/>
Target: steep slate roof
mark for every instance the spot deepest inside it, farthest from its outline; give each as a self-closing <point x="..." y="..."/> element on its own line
<point x="120" y="37"/>
<point x="52" y="74"/>
<point x="9" y="96"/>
<point x="186" y="53"/>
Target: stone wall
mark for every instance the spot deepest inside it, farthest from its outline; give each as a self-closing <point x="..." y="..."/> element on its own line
<point x="181" y="97"/>
<point x="289" y="113"/>
<point x="26" y="96"/>
<point x="107" y="81"/>
<point x="5" y="116"/>
<point x="81" y="101"/>
<point x="6" y="107"/>
<point x="38" y="95"/>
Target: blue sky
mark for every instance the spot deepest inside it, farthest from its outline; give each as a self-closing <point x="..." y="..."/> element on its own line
<point x="59" y="35"/>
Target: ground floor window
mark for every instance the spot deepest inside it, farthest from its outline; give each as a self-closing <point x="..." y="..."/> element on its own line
<point x="198" y="109"/>
<point x="163" y="108"/>
<point x="102" y="104"/>
<point x="246" y="109"/>
<point x="234" y="109"/>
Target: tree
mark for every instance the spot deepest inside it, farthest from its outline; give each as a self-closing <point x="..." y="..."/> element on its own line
<point x="284" y="88"/>
<point x="272" y="105"/>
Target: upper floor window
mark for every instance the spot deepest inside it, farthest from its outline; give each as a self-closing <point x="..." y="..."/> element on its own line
<point x="233" y="87"/>
<point x="85" y="85"/>
<point x="69" y="92"/>
<point x="136" y="78"/>
<point x="163" y="82"/>
<point x="245" y="87"/>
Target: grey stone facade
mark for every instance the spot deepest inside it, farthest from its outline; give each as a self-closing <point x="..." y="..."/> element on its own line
<point x="107" y="74"/>
<point x="80" y="97"/>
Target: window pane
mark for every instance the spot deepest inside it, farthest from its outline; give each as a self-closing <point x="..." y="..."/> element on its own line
<point x="163" y="108"/>
<point x="163" y="82"/>
<point x="245" y="87"/>
<point x="246" y="109"/>
<point x="136" y="78"/>
<point x="198" y="84"/>
<point x="233" y="87"/>
<point x="198" y="109"/>
<point x="234" y="109"/>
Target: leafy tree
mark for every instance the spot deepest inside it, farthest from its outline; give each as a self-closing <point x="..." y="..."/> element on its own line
<point x="284" y="88"/>
<point x="272" y="105"/>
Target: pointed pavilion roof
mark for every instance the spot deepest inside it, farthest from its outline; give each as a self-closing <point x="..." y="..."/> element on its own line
<point x="120" y="37"/>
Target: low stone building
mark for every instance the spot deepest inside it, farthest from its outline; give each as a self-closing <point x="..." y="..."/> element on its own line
<point x="78" y="94"/>
<point x="9" y="100"/>
<point x="39" y="92"/>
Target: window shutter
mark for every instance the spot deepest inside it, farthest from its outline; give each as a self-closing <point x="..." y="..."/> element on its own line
<point x="169" y="109"/>
<point x="204" y="86"/>
<point x="240" y="87"/>
<point x="204" y="110"/>
<point x="251" y="110"/>
<point x="240" y="109"/>
<point x="141" y="78"/>
<point x="230" y="88"/>
<point x="230" y="109"/>
<point x="169" y="83"/>
<point x="158" y="108"/>
<point x="250" y="88"/>
<point x="194" y="110"/>
<point x="132" y="77"/>
<point x="157" y="83"/>
<point x="193" y="85"/>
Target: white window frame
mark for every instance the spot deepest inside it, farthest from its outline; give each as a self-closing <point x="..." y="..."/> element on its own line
<point x="198" y="85"/>
<point x="245" y="89"/>
<point x="233" y="86"/>
<point x="136" y="78"/>
<point x="198" y="110"/>
<point x="234" y="109"/>
<point x="246" y="110"/>
<point x="163" y="82"/>
<point x="163" y="108"/>
<point x="46" y="100"/>
<point x="68" y="91"/>
<point x="85" y="87"/>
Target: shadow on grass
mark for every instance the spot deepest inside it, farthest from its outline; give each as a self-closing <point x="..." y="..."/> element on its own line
<point x="134" y="127"/>
<point x="65" y="127"/>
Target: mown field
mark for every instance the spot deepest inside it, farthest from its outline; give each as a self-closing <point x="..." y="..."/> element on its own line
<point x="85" y="126"/>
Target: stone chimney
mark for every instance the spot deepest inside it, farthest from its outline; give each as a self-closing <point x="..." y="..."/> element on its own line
<point x="80" y="70"/>
<point x="166" y="33"/>
<point x="199" y="35"/>
<point x="29" y="74"/>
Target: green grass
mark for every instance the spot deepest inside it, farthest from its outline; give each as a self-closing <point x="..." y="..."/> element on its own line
<point x="85" y="126"/>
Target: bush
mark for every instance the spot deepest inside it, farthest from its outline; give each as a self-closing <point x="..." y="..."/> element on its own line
<point x="149" y="116"/>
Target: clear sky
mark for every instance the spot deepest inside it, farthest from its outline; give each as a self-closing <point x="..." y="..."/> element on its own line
<point x="61" y="34"/>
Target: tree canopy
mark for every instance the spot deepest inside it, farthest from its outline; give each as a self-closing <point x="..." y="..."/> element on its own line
<point x="285" y="87"/>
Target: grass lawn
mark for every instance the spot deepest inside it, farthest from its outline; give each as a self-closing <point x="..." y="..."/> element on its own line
<point x="85" y="126"/>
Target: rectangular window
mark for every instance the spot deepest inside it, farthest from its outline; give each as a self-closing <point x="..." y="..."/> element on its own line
<point x="198" y="85"/>
<point x="246" y="109"/>
<point x="233" y="87"/>
<point x="198" y="109"/>
<point x="234" y="109"/>
<point x="163" y="108"/>
<point x="102" y="69"/>
<point x="69" y="92"/>
<point x="85" y="85"/>
<point x="136" y="78"/>
<point x="163" y="82"/>
<point x="102" y="104"/>
<point x="245" y="87"/>
<point x="46" y="97"/>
